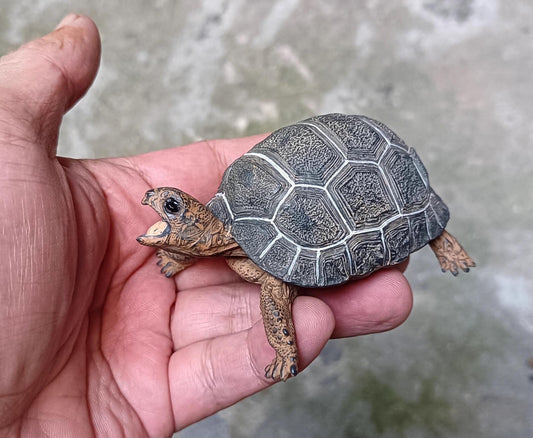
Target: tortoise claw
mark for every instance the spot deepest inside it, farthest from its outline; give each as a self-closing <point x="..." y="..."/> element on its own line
<point x="171" y="264"/>
<point x="451" y="254"/>
<point x="281" y="369"/>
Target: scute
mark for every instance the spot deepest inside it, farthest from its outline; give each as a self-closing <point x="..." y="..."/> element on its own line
<point x="309" y="218"/>
<point x="304" y="269"/>
<point x="396" y="237"/>
<point x="279" y="257"/>
<point x="366" y="251"/>
<point x="329" y="198"/>
<point x="389" y="134"/>
<point x="442" y="213"/>
<point x="304" y="155"/>
<point x="254" y="234"/>
<point x="363" y="195"/>
<point x="360" y="139"/>
<point x="253" y="188"/>
<point x="412" y="192"/>
<point x="218" y="207"/>
<point x="418" y="230"/>
<point x="333" y="266"/>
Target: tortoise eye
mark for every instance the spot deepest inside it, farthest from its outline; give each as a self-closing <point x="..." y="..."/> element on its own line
<point x="172" y="205"/>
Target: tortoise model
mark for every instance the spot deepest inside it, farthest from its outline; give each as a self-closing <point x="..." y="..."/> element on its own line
<point x="315" y="204"/>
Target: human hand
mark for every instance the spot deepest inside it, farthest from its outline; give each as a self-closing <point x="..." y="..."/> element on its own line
<point x="94" y="341"/>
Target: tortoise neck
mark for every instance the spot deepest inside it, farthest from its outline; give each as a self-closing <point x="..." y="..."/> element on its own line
<point x="198" y="232"/>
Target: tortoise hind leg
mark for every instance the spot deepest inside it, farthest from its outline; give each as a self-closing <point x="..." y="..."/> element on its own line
<point x="451" y="254"/>
<point x="276" y="308"/>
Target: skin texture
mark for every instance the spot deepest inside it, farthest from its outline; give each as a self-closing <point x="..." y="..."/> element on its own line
<point x="94" y="342"/>
<point x="451" y="254"/>
<point x="188" y="230"/>
<point x="276" y="301"/>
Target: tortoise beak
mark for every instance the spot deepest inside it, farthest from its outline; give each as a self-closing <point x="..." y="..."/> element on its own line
<point x="155" y="235"/>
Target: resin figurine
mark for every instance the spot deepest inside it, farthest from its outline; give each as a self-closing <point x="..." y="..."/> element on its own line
<point x="329" y="199"/>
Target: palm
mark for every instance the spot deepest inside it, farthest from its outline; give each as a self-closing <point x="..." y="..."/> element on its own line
<point x="93" y="339"/>
<point x="144" y="334"/>
<point x="114" y="327"/>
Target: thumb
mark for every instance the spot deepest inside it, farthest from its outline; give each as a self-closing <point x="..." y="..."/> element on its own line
<point x="44" y="78"/>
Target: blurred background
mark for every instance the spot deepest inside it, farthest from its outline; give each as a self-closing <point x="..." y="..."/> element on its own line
<point x="452" y="77"/>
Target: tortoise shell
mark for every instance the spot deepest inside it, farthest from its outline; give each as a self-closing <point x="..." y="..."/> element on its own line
<point x="329" y="198"/>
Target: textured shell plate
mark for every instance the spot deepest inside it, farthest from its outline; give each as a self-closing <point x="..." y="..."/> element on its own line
<point x="329" y="198"/>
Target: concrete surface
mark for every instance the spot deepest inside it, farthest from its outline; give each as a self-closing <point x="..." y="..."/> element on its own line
<point x="453" y="77"/>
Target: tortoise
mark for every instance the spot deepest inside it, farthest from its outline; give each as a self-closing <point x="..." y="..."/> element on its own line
<point x="331" y="198"/>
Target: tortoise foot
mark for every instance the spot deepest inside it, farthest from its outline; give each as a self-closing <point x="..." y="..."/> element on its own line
<point x="281" y="368"/>
<point x="451" y="254"/>
<point x="171" y="263"/>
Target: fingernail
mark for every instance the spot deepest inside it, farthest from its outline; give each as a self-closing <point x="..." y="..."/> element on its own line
<point x="68" y="20"/>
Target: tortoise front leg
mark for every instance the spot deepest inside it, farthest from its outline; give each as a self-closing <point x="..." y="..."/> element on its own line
<point x="171" y="263"/>
<point x="451" y="254"/>
<point x="276" y="308"/>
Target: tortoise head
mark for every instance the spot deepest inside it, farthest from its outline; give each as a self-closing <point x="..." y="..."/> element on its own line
<point x="175" y="208"/>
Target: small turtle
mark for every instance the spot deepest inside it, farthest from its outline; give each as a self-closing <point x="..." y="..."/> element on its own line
<point x="315" y="204"/>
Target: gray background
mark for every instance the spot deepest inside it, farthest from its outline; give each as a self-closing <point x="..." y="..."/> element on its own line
<point x="453" y="78"/>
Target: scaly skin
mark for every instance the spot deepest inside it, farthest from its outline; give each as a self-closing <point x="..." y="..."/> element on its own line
<point x="451" y="254"/>
<point x="276" y="308"/>
<point x="190" y="230"/>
